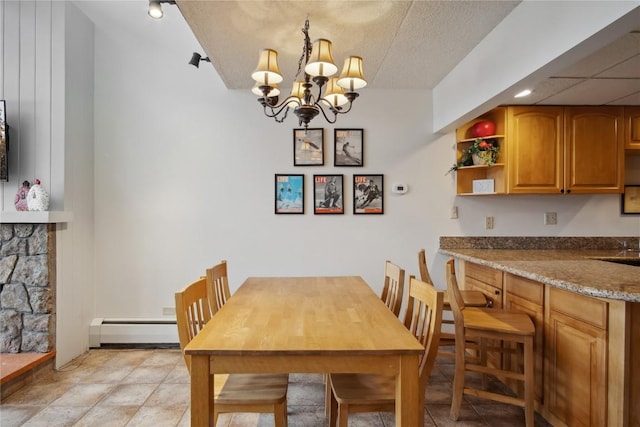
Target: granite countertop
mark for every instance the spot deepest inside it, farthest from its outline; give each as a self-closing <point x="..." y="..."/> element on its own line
<point x="584" y="271"/>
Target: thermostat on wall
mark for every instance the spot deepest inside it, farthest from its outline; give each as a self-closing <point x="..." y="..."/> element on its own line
<point x="400" y="188"/>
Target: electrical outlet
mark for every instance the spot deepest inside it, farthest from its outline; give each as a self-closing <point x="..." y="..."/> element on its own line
<point x="488" y="223"/>
<point x="168" y="311"/>
<point x="454" y="212"/>
<point x="550" y="218"/>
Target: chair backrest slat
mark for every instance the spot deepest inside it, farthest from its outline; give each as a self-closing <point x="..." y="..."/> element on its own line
<point x="455" y="297"/>
<point x="422" y="266"/>
<point x="393" y="288"/>
<point x="218" y="286"/>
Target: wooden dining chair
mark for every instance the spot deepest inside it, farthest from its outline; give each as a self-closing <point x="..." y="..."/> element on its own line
<point x="494" y="330"/>
<point x="471" y="298"/>
<point x="261" y="393"/>
<point x="392" y="293"/>
<point x="218" y="286"/>
<point x="353" y="393"/>
<point x="393" y="288"/>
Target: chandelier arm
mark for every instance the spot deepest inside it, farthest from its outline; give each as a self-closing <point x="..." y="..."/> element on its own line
<point x="341" y="109"/>
<point x="277" y="109"/>
<point x="335" y="115"/>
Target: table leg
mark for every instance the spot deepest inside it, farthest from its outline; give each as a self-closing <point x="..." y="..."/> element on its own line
<point x="201" y="392"/>
<point x="409" y="401"/>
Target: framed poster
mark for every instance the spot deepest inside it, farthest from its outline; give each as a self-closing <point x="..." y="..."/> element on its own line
<point x="4" y="143"/>
<point x="328" y="195"/>
<point x="348" y="146"/>
<point x="368" y="196"/>
<point x="631" y="200"/>
<point x="308" y="147"/>
<point x="289" y="194"/>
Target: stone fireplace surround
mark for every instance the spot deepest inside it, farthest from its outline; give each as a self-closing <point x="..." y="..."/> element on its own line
<point x="27" y="288"/>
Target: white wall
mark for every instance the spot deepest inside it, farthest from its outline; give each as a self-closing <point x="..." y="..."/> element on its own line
<point x="185" y="170"/>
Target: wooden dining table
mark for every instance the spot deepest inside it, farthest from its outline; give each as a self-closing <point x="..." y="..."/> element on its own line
<point x="306" y="325"/>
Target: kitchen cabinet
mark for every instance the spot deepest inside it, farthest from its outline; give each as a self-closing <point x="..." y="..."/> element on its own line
<point x="594" y="153"/>
<point x="465" y="175"/>
<point x="565" y="150"/>
<point x="632" y="128"/>
<point x="536" y="155"/>
<point x="576" y="359"/>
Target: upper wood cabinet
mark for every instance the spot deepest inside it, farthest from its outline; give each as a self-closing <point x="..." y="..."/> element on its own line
<point x="632" y="128"/>
<point x="594" y="150"/>
<point x="536" y="153"/>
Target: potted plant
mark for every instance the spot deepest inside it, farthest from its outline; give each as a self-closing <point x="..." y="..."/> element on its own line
<point x="480" y="152"/>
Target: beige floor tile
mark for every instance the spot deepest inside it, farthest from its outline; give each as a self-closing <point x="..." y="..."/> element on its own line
<point x="107" y="375"/>
<point x="128" y="395"/>
<point x="14" y="416"/>
<point x="38" y="394"/>
<point x="170" y="395"/>
<point x="83" y="395"/>
<point x="157" y="416"/>
<point x="60" y="416"/>
<point x="107" y="416"/>
<point x="179" y="374"/>
<point x="165" y="357"/>
<point x="148" y="374"/>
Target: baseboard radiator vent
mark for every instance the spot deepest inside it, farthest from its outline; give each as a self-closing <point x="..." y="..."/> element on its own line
<point x="132" y="331"/>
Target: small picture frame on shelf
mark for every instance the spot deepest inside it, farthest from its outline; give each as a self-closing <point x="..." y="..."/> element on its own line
<point x="328" y="194"/>
<point x="308" y="147"/>
<point x="368" y="194"/>
<point x="348" y="147"/>
<point x="289" y="194"/>
<point x="630" y="200"/>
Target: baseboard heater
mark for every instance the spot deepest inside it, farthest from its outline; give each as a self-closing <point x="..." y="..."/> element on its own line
<point x="132" y="331"/>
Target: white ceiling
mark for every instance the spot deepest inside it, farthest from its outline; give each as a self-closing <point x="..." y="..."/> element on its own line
<point x="405" y="44"/>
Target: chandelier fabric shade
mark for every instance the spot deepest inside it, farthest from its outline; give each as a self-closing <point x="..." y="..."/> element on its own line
<point x="267" y="72"/>
<point x="316" y="92"/>
<point x="321" y="61"/>
<point x="352" y="76"/>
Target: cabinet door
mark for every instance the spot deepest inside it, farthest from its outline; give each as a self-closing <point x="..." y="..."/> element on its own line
<point x="527" y="296"/>
<point x="632" y="128"/>
<point x="576" y="359"/>
<point x="535" y="154"/>
<point x="594" y="150"/>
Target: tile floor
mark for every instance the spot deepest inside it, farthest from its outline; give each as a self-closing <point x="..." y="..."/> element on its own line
<point x="151" y="388"/>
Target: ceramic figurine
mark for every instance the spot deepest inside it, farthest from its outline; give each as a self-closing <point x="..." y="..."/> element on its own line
<point x="21" y="197"/>
<point x="37" y="198"/>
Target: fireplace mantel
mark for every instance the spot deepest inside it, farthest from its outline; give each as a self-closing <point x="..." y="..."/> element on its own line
<point x="35" y="217"/>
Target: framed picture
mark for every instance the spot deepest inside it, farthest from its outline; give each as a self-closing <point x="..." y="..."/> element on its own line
<point x="289" y="194"/>
<point x="348" y="145"/>
<point x="631" y="200"/>
<point x="368" y="195"/>
<point x="308" y="147"/>
<point x="328" y="195"/>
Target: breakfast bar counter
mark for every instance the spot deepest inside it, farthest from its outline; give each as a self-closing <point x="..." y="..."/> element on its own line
<point x="583" y="295"/>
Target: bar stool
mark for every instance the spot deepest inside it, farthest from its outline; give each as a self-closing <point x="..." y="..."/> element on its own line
<point x="488" y="326"/>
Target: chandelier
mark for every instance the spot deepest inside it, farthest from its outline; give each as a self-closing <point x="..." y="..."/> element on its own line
<point x="316" y="62"/>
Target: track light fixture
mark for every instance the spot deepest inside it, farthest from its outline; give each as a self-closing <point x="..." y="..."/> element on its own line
<point x="334" y="96"/>
<point x="196" y="58"/>
<point x="155" y="8"/>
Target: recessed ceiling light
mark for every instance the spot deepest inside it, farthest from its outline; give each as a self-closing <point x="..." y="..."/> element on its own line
<point x="524" y="93"/>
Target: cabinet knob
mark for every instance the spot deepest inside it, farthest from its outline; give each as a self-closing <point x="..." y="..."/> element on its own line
<point x="562" y="190"/>
<point x="497" y="292"/>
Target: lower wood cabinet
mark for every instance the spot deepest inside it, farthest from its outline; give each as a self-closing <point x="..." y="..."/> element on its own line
<point x="576" y="359"/>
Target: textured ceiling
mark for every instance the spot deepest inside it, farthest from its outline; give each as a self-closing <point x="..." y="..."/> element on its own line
<point x="405" y="44"/>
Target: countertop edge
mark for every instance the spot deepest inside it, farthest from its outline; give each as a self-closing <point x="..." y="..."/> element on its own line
<point x="553" y="281"/>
